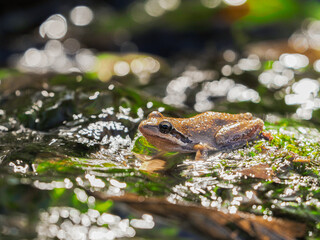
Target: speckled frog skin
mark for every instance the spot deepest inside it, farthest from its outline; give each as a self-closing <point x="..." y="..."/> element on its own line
<point x="209" y="131"/>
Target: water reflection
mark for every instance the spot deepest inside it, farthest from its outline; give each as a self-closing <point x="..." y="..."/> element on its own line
<point x="294" y="61"/>
<point x="251" y="63"/>
<point x="70" y="223"/>
<point x="66" y="183"/>
<point x="19" y="166"/>
<point x="177" y="89"/>
<point x="223" y="88"/>
<point x="304" y="93"/>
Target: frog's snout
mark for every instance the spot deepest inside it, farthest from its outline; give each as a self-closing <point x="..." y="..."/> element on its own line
<point x="140" y="127"/>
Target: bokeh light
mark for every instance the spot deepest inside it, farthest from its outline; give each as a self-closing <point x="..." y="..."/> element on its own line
<point x="121" y="68"/>
<point x="251" y="63"/>
<point x="138" y="13"/>
<point x="85" y="60"/>
<point x="58" y="55"/>
<point x="81" y="15"/>
<point x="53" y="48"/>
<point x="153" y="8"/>
<point x="235" y="2"/>
<point x="294" y="61"/>
<point x="229" y="55"/>
<point x="305" y="94"/>
<point x="211" y="3"/>
<point x="71" y="45"/>
<point x="141" y="66"/>
<point x="70" y="223"/>
<point x="176" y="89"/>
<point x="55" y="27"/>
<point x="169" y="5"/>
<point x="316" y="65"/>
<point x="307" y="37"/>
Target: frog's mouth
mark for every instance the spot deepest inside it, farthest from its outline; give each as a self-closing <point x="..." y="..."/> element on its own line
<point x="154" y="131"/>
<point x="172" y="140"/>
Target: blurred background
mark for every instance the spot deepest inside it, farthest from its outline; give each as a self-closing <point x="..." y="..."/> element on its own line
<point x="275" y="42"/>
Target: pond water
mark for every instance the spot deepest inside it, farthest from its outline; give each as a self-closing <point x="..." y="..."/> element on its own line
<point x="73" y="164"/>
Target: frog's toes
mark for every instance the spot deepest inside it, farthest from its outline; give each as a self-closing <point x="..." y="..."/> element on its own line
<point x="266" y="135"/>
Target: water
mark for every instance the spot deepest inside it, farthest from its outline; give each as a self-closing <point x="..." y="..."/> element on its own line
<point x="74" y="166"/>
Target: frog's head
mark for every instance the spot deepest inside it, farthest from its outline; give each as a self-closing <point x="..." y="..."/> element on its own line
<point x="162" y="133"/>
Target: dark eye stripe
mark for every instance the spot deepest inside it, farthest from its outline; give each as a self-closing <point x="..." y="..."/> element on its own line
<point x="166" y="127"/>
<point x="180" y="136"/>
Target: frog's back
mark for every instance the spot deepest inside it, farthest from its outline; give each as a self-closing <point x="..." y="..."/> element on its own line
<point x="204" y="127"/>
<point x="213" y="121"/>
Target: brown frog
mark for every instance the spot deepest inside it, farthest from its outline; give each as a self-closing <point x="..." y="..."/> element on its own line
<point x="209" y="131"/>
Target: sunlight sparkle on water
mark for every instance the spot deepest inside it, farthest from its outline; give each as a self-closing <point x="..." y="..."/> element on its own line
<point x="145" y="223"/>
<point x="94" y="96"/>
<point x="251" y="63"/>
<point x="249" y="194"/>
<point x="176" y="89"/>
<point x="223" y="88"/>
<point x="54" y="184"/>
<point x="95" y="182"/>
<point x="70" y="223"/>
<point x="19" y="167"/>
<point x="81" y="194"/>
<point x="241" y="93"/>
<point x="305" y="94"/>
<point x="118" y="184"/>
<point x="294" y="61"/>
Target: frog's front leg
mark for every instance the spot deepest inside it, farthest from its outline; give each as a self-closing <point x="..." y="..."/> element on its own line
<point x="201" y="151"/>
<point x="238" y="134"/>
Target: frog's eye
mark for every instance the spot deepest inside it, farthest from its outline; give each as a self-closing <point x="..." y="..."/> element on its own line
<point x="165" y="127"/>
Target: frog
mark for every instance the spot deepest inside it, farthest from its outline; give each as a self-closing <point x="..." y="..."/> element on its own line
<point x="208" y="131"/>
